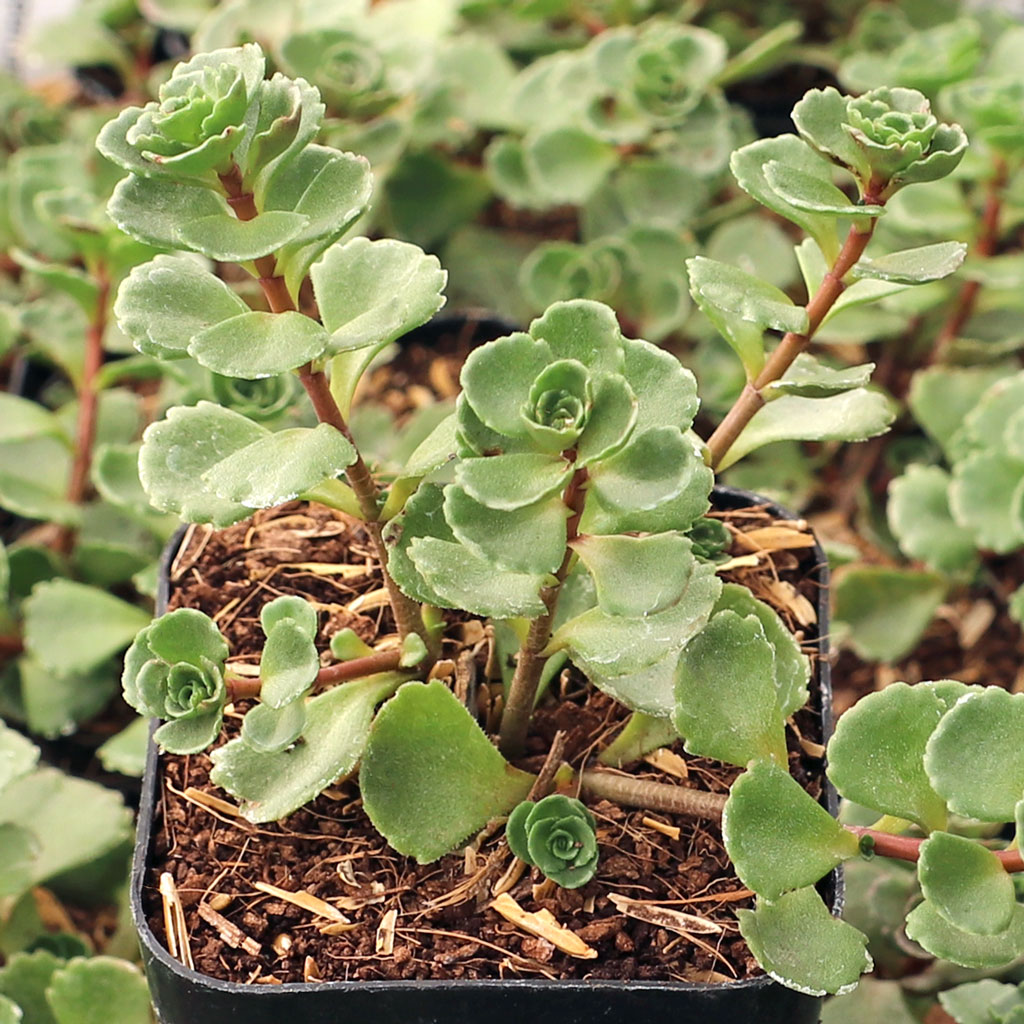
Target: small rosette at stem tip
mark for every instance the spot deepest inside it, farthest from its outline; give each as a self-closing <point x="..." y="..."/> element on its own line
<point x="175" y="671"/>
<point x="557" y="836"/>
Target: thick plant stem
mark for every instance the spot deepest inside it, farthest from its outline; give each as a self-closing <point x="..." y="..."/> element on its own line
<point x="751" y="398"/>
<point x="515" y="719"/>
<point x="986" y="243"/>
<point x="408" y="617"/>
<point x="653" y="796"/>
<point x="884" y="844"/>
<point x="88" y="407"/>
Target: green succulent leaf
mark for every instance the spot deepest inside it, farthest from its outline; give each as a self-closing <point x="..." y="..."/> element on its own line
<point x="223" y="237"/>
<point x="462" y="579"/>
<point x="165" y="303"/>
<point x="298" y="609"/>
<point x="985" y="499"/>
<point x="942" y="396"/>
<point x="966" y="884"/>
<point x="585" y="331"/>
<point x="975" y="757"/>
<point x="255" y="344"/>
<point x="851" y="416"/>
<point x="178" y="451"/>
<point x="914" y="266"/>
<point x="185" y="634"/>
<point x="153" y="210"/>
<point x="777" y="836"/>
<point x="726" y="704"/>
<point x="528" y="540"/>
<point x="810" y="379"/>
<point x="125" y="752"/>
<point x="813" y="194"/>
<point x="22" y="419"/>
<point x="272" y="785"/>
<point x="24" y="980"/>
<point x="567" y="164"/>
<point x="510" y="482"/>
<point x="921" y="520"/>
<point x="281" y="466"/>
<point x="269" y="730"/>
<point x="18" y="755"/>
<point x="10" y="1012"/>
<point x="18" y="848"/>
<point x="820" y="118"/>
<point x="895" y="724"/>
<point x="94" y="990"/>
<point x="288" y="665"/>
<point x="792" y="668"/>
<point x="639" y="736"/>
<point x="558" y="835"/>
<point x="800" y="944"/>
<point x="970" y="1003"/>
<point x="71" y="627"/>
<point x="423" y="516"/>
<point x="927" y="927"/>
<point x="425" y="752"/>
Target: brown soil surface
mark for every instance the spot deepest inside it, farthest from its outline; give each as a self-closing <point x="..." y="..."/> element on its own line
<point x="443" y="926"/>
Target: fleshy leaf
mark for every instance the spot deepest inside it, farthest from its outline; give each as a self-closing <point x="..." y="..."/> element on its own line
<point x="637" y="576"/>
<point x="423" y="516"/>
<point x="71" y="627"/>
<point x="99" y="989"/>
<point x="269" y="730"/>
<point x="886" y="609"/>
<point x="985" y="498"/>
<point x="462" y="579"/>
<point x="941" y="396"/>
<point x="819" y="117"/>
<point x="509" y="482"/>
<point x="777" y="836"/>
<point x="21" y="419"/>
<point x="301" y="611"/>
<point x="975" y="758"/>
<point x="792" y="668"/>
<point x="914" y="266"/>
<point x="811" y="379"/>
<point x="186" y="634"/>
<point x="665" y="390"/>
<point x="726" y="702"/>
<point x="927" y="927"/>
<point x="178" y="450"/>
<point x="814" y="194"/>
<point x="289" y="664"/>
<point x="430" y="777"/>
<point x="920" y="518"/>
<point x="271" y="786"/>
<point x="530" y="540"/>
<point x="966" y="884"/>
<point x="152" y="210"/>
<point x="800" y="944"/>
<point x="851" y="416"/>
<point x="652" y="469"/>
<point x="894" y="725"/>
<point x="18" y="755"/>
<point x="226" y="238"/>
<point x="256" y="344"/>
<point x="639" y="736"/>
<point x="567" y="164"/>
<point x="18" y="847"/>
<point x="281" y="466"/>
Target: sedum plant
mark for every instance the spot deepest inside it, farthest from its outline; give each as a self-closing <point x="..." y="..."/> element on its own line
<point x="564" y="498"/>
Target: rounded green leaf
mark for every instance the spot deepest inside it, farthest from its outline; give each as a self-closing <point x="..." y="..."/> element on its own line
<point x="876" y="755"/>
<point x="985" y="498"/>
<point x="611" y="422"/>
<point x="914" y="266"/>
<point x="726" y="701"/>
<point x="927" y="927"/>
<point x="567" y="164"/>
<point x="819" y="117"/>
<point x="509" y="482"/>
<point x="254" y="345"/>
<point x="814" y="194"/>
<point x="186" y="634"/>
<point x="21" y="419"/>
<point x="583" y="330"/>
<point x="226" y="238"/>
<point x="975" y="758"/>
<point x="152" y="210"/>
<point x="281" y="466"/>
<point x="97" y="990"/>
<point x="966" y="884"/>
<point x="423" y="516"/>
<point x="288" y="607"/>
<point x="777" y="836"/>
<point x="800" y="944"/>
<point x="558" y="836"/>
<point x="289" y="664"/>
<point x="430" y="777"/>
<point x="191" y="734"/>
<point x="269" y="730"/>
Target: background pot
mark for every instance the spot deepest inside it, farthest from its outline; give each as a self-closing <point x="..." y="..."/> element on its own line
<point x="182" y="996"/>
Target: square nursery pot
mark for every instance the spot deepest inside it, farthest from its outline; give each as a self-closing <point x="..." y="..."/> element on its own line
<point x="183" y="996"/>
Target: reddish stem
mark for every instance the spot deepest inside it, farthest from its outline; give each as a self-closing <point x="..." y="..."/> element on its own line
<point x="792" y="344"/>
<point x="240" y="687"/>
<point x="88" y="405"/>
<point x="988" y="239"/>
<point x="909" y="848"/>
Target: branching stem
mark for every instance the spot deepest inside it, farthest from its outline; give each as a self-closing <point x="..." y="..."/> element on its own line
<point x="909" y="847"/>
<point x="515" y="719"/>
<point x="408" y="617"/>
<point x="751" y="399"/>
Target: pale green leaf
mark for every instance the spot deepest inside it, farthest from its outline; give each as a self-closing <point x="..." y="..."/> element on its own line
<point x="21" y="419"/>
<point x="665" y="389"/>
<point x="800" y="944"/>
<point x="423" y="516"/>
<point x="926" y="926"/>
<point x="430" y="777"/>
<point x="56" y="703"/>
<point x="851" y="416"/>
<point x="612" y="420"/>
<point x="966" y="884"/>
<point x="914" y="266"/>
<point x="24" y="980"/>
<point x="18" y="755"/>
<point x="811" y="379"/>
<point x="71" y="627"/>
<point x="165" y="303"/>
<point x="941" y="396"/>
<point x="975" y="758"/>
<point x="508" y="482"/>
<point x="18" y="848"/>
<point x="98" y="990"/>
<point x="876" y="755"/>
<point x="970" y="1003"/>
<point x="726" y="704"/>
<point x="177" y="452"/>
<point x="777" y="836"/>
<point x="871" y="1001"/>
<point x="302" y="612"/>
<point x="153" y="210"/>
<point x="10" y="1013"/>
<point x="288" y="665"/>
<point x="271" y="786"/>
<point x="269" y="730"/>
<point x="125" y="752"/>
<point x="34" y="480"/>
<point x="583" y="330"/>
<point x="819" y="117"/>
<point x="281" y="466"/>
<point x="567" y="164"/>
<point x="985" y="497"/>
<point x="256" y="344"/>
<point x="639" y="736"/>
<point x="920" y="519"/>
<point x="815" y="194"/>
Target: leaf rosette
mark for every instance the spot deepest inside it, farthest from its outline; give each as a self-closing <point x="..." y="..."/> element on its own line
<point x="260" y="400"/>
<point x="198" y="121"/>
<point x="175" y="671"/>
<point x="557" y="836"/>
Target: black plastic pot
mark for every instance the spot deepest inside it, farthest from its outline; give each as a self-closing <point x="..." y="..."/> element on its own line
<point x="182" y="996"/>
